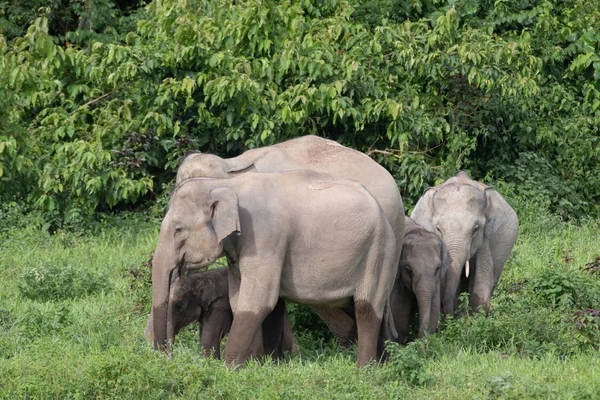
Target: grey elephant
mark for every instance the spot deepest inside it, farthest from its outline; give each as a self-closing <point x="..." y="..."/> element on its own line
<point x="301" y="236"/>
<point x="423" y="265"/>
<point x="320" y="155"/>
<point x="424" y="262"/>
<point x="479" y="228"/>
<point x="204" y="297"/>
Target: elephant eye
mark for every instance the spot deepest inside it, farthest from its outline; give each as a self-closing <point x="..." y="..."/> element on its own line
<point x="437" y="228"/>
<point x="178" y="230"/>
<point x="475" y="228"/>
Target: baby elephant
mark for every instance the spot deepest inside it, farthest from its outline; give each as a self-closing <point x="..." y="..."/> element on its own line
<point x="204" y="297"/>
<point x="423" y="264"/>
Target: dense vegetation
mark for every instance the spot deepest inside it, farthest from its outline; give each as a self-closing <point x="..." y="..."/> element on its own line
<point x="80" y="336"/>
<point x="99" y="100"/>
<point x="96" y="113"/>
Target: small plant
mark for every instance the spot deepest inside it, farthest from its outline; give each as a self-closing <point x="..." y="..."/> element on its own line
<point x="593" y="267"/>
<point x="517" y="287"/>
<point x="40" y="320"/>
<point x="561" y="287"/>
<point x="140" y="281"/>
<point x="410" y="362"/>
<point x="587" y="324"/>
<point x="50" y="282"/>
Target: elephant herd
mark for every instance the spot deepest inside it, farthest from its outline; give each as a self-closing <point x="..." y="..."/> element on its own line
<point x="316" y="223"/>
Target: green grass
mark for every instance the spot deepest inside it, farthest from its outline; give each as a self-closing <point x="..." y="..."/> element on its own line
<point x="80" y="335"/>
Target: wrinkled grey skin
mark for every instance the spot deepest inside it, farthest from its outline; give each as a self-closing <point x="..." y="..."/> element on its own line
<point x="320" y="155"/>
<point x="204" y="297"/>
<point x="478" y="226"/>
<point x="424" y="262"/>
<point x="300" y="236"/>
<point x="423" y="265"/>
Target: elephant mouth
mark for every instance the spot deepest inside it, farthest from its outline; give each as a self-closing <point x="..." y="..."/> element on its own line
<point x="198" y="266"/>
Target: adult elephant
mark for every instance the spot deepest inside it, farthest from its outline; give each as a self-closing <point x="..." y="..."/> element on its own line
<point x="480" y="230"/>
<point x="306" y="152"/>
<point x="301" y="236"/>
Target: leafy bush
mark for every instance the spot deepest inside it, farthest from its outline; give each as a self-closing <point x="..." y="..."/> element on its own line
<point x="306" y="322"/>
<point x="410" y="361"/>
<point x="512" y="327"/>
<point x="51" y="282"/>
<point x="558" y="286"/>
<point x="43" y="320"/>
<point x="425" y="89"/>
<point x="587" y="324"/>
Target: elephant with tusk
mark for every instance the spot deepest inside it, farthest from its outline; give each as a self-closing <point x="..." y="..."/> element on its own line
<point x="479" y="228"/>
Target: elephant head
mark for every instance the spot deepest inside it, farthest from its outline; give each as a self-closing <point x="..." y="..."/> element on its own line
<point x="479" y="228"/>
<point x="424" y="262"/>
<point x="191" y="238"/>
<point x="204" y="165"/>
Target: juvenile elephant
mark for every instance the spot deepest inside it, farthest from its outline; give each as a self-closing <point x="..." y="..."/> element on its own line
<point x="423" y="265"/>
<point x="301" y="236"/>
<point x="204" y="297"/>
<point x="480" y="230"/>
<point x="320" y="155"/>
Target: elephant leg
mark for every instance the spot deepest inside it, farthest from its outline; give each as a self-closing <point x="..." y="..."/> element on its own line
<point x="214" y="327"/>
<point x="257" y="349"/>
<point x="272" y="329"/>
<point x="290" y="343"/>
<point x="369" y="324"/>
<point x="258" y="296"/>
<point x="339" y="323"/>
<point x="234" y="283"/>
<point x="402" y="304"/>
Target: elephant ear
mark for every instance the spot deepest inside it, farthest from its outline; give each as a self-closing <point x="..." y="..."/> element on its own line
<point x="225" y="212"/>
<point x="236" y="167"/>
<point x="246" y="161"/>
<point x="205" y="291"/>
<point x="497" y="211"/>
<point x="422" y="214"/>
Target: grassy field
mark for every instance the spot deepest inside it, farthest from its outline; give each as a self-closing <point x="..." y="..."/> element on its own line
<point x="73" y="307"/>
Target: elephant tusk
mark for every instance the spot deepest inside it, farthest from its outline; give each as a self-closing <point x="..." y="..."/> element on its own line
<point x="467" y="269"/>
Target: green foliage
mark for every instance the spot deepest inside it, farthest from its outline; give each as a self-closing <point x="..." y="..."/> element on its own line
<point x="93" y="346"/>
<point x="44" y="320"/>
<point x="305" y="321"/>
<point x="423" y="87"/>
<point x="51" y="282"/>
<point x="558" y="286"/>
<point x="410" y="361"/>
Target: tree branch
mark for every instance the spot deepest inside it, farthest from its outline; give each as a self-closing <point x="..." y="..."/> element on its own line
<point x="97" y="99"/>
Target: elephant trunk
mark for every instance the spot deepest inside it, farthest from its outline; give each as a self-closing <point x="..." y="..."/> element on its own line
<point x="171" y="324"/>
<point x="163" y="264"/>
<point x="459" y="256"/>
<point x="424" y="298"/>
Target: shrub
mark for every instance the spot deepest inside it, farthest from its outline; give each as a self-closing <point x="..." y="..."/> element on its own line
<point x="558" y="286"/>
<point x="587" y="325"/>
<point x="518" y="327"/>
<point x="41" y="320"/>
<point x="51" y="282"/>
<point x="410" y="361"/>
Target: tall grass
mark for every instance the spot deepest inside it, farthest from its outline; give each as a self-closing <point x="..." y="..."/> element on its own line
<point x="73" y="307"/>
